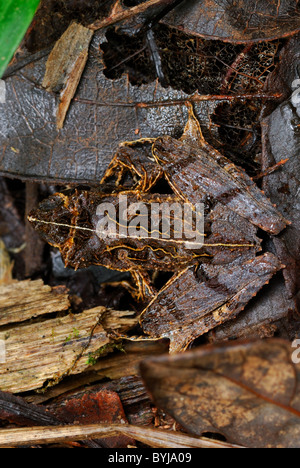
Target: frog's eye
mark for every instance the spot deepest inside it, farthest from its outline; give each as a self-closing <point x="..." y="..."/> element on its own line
<point x="53" y="220"/>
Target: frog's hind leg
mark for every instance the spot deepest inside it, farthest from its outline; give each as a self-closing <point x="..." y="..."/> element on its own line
<point x="144" y="290"/>
<point x="133" y="167"/>
<point x="139" y="287"/>
<point x="194" y="302"/>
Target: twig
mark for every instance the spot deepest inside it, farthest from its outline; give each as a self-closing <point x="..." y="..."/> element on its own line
<point x="126" y="14"/>
<point x="271" y="169"/>
<point x="152" y="437"/>
<point x="210" y="97"/>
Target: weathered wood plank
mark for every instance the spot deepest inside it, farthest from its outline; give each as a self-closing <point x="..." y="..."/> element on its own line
<point x="47" y="351"/>
<point x="20" y="301"/>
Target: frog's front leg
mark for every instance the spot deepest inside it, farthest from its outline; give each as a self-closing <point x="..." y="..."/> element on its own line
<point x="144" y="290"/>
<point x="194" y="302"/>
<point x="133" y="167"/>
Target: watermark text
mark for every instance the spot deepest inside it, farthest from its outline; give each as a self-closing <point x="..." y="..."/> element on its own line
<point x="168" y="221"/>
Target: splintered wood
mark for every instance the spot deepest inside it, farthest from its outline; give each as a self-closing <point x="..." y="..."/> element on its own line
<point x="20" y="301"/>
<point x="45" y="351"/>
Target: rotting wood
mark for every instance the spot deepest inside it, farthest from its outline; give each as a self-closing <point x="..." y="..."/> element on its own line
<point x="117" y="365"/>
<point x="23" y="300"/>
<point x="39" y="354"/>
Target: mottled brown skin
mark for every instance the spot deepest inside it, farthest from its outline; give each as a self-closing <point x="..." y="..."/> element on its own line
<point x="211" y="284"/>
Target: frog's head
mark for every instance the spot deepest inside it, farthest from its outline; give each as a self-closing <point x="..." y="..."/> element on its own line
<point x="65" y="223"/>
<point x="53" y="220"/>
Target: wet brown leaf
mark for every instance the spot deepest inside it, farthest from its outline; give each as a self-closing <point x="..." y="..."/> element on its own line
<point x="237" y="21"/>
<point x="246" y="391"/>
<point x="104" y="113"/>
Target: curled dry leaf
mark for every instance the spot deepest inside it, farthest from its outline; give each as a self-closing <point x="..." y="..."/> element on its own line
<point x="237" y="21"/>
<point x="246" y="391"/>
<point x="65" y="66"/>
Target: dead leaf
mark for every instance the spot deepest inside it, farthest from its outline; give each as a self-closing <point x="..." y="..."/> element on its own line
<point x="105" y="112"/>
<point x="65" y="66"/>
<point x="237" y="21"/>
<point x="246" y="391"/>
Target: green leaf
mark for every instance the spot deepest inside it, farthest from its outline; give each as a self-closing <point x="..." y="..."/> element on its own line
<point x="15" y="18"/>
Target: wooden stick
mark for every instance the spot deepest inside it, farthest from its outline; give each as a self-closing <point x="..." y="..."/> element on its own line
<point x="271" y="169"/>
<point x="152" y="437"/>
<point x="123" y="14"/>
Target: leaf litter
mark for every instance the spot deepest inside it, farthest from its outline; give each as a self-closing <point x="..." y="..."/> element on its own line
<point x="260" y="372"/>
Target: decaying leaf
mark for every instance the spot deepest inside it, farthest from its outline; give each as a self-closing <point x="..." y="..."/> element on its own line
<point x="105" y="112"/>
<point x="237" y="21"/>
<point x="246" y="391"/>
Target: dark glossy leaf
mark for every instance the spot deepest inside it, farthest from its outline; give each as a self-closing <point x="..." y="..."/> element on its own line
<point x="107" y="110"/>
<point x="248" y="392"/>
<point x="237" y="20"/>
<point x="103" y="114"/>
